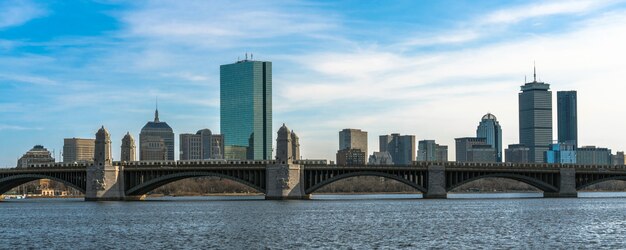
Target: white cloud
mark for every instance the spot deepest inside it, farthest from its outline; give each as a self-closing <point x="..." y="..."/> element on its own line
<point x="548" y="8"/>
<point x="37" y="80"/>
<point x="18" y="12"/>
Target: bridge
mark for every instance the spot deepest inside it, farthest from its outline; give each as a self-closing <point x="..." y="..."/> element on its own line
<point x="290" y="178"/>
<point x="298" y="180"/>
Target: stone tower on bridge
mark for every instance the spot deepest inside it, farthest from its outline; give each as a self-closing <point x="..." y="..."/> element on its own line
<point x="284" y="179"/>
<point x="128" y="148"/>
<point x="104" y="181"/>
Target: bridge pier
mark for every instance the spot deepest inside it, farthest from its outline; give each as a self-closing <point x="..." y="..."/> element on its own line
<point x="567" y="185"/>
<point x="285" y="182"/>
<point x="436" y="183"/>
<point x="105" y="183"/>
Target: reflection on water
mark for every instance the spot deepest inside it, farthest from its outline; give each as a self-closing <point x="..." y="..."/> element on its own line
<point x="328" y="221"/>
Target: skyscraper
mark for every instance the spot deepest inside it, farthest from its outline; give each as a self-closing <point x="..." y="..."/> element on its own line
<point x="156" y="141"/>
<point x="203" y="145"/>
<point x="246" y="107"/>
<point x="428" y="150"/>
<point x="400" y="147"/>
<point x="535" y="118"/>
<point x="78" y="150"/>
<point x="490" y="129"/>
<point x="353" y="139"/>
<point x="567" y="117"/>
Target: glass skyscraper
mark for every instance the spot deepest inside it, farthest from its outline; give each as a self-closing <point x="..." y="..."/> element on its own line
<point x="535" y="118"/>
<point x="246" y="108"/>
<point x="567" y="117"/>
<point x="490" y="129"/>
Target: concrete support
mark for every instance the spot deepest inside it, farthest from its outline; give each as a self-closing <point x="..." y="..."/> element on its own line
<point x="567" y="185"/>
<point x="285" y="182"/>
<point x="105" y="183"/>
<point x="436" y="183"/>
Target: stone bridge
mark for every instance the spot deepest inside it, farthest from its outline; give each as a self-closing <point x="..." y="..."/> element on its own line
<point x="300" y="179"/>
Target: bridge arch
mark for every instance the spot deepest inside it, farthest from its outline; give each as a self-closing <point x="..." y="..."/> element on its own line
<point x="10" y="182"/>
<point x="539" y="184"/>
<point x="598" y="181"/>
<point x="152" y="184"/>
<point x="339" y="177"/>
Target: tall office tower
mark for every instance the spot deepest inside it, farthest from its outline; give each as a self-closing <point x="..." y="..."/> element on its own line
<point x="246" y="107"/>
<point x="471" y="149"/>
<point x="428" y="150"/>
<point x="517" y="153"/>
<point x="353" y="139"/>
<point x="203" y="145"/>
<point x="40" y="155"/>
<point x="129" y="149"/>
<point x="567" y="117"/>
<point x="156" y="141"/>
<point x="535" y="118"/>
<point x="78" y="150"/>
<point x="400" y="147"/>
<point x="489" y="128"/>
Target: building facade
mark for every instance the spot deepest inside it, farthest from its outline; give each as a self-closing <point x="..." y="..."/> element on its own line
<point x="561" y="153"/>
<point x="156" y="141"/>
<point x="429" y="150"/>
<point x="203" y="145"/>
<point x="517" y="153"/>
<point x="380" y="158"/>
<point x="489" y="128"/>
<point x="78" y="150"/>
<point x="129" y="150"/>
<point x="535" y="118"/>
<point x="618" y="159"/>
<point x="246" y="107"/>
<point x="37" y="155"/>
<point x="567" y="117"/>
<point x="401" y="148"/>
<point x="472" y="149"/>
<point x="353" y="139"/>
<point x="351" y="156"/>
<point x="592" y="155"/>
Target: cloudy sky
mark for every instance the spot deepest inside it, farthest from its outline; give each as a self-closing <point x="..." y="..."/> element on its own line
<point x="426" y="68"/>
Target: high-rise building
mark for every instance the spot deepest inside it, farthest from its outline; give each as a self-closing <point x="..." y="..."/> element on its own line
<point x="37" y="155"/>
<point x="203" y="145"/>
<point x="517" y="153"/>
<point x="561" y="153"/>
<point x="567" y="117"/>
<point x="592" y="155"/>
<point x="129" y="149"/>
<point x="428" y="150"/>
<point x="618" y="159"/>
<point x="156" y="141"/>
<point x="535" y="118"/>
<point x="78" y="150"/>
<point x="351" y="156"/>
<point x="489" y="128"/>
<point x="246" y="107"/>
<point x="472" y="149"/>
<point x="400" y="147"/>
<point x="353" y="139"/>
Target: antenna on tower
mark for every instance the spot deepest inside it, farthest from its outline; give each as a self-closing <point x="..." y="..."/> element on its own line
<point x="534" y="72"/>
<point x="246" y="56"/>
<point x="251" y="56"/>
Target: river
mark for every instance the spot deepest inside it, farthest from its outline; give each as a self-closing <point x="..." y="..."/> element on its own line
<point x="328" y="221"/>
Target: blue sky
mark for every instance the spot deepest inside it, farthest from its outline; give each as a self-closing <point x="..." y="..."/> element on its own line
<point x="427" y="68"/>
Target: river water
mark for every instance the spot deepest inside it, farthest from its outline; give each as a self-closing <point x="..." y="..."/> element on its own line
<point x="328" y="221"/>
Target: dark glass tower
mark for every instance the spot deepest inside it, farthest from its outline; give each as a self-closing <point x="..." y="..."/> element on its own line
<point x="535" y="118"/>
<point x="567" y="117"/>
<point x="246" y="107"/>
<point x="489" y="128"/>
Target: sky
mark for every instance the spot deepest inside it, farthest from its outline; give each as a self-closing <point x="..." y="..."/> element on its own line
<point x="426" y="68"/>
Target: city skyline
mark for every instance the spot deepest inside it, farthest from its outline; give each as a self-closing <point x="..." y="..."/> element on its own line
<point x="52" y="89"/>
